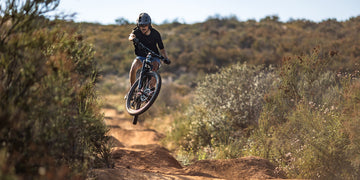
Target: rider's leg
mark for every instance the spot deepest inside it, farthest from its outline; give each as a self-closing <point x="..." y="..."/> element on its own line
<point x="156" y="65"/>
<point x="136" y="65"/>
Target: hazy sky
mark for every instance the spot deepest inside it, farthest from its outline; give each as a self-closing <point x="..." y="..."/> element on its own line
<point x="192" y="11"/>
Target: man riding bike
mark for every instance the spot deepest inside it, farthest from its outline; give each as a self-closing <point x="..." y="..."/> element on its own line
<point x="151" y="38"/>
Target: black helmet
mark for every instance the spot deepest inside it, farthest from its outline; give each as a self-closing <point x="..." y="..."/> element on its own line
<point x="144" y="19"/>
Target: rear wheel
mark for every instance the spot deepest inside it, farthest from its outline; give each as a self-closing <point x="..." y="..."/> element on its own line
<point x="140" y="100"/>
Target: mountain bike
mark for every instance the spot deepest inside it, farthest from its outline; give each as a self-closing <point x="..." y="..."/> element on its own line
<point x="146" y="88"/>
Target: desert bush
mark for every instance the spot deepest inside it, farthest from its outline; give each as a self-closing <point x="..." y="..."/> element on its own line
<point x="225" y="108"/>
<point x="351" y="118"/>
<point x="311" y="143"/>
<point x="50" y="121"/>
<point x="302" y="127"/>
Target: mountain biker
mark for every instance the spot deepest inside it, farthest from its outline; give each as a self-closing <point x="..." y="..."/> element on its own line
<point x="151" y="38"/>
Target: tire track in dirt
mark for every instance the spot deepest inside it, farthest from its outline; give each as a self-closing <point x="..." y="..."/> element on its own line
<point x="137" y="154"/>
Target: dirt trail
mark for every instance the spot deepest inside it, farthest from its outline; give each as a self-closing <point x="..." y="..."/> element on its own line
<point x="137" y="154"/>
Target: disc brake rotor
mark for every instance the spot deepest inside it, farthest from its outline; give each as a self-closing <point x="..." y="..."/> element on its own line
<point x="145" y="95"/>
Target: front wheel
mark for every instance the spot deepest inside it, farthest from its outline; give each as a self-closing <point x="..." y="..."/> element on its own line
<point x="140" y="99"/>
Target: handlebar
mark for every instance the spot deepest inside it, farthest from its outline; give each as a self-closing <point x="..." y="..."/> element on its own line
<point x="166" y="61"/>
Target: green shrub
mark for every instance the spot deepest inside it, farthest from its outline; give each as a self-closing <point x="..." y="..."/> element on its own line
<point x="225" y="108"/>
<point x="311" y="143"/>
<point x="303" y="125"/>
<point x="351" y="120"/>
<point x="51" y="125"/>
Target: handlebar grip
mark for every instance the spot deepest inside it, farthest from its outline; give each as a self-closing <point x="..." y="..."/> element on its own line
<point x="136" y="40"/>
<point x="167" y="61"/>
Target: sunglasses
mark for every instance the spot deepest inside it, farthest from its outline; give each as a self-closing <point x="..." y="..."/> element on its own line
<point x="143" y="25"/>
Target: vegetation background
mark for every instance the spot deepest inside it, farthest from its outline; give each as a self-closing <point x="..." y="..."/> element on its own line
<point x="285" y="91"/>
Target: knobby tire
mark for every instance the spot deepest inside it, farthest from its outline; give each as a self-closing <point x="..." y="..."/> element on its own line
<point x="134" y="105"/>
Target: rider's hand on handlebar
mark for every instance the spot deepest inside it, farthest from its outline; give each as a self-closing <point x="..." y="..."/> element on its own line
<point x="133" y="38"/>
<point x="167" y="61"/>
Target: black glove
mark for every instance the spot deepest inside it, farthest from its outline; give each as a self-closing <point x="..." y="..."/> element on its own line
<point x="167" y="61"/>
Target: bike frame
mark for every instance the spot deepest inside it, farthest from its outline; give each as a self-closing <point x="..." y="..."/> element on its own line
<point x="146" y="67"/>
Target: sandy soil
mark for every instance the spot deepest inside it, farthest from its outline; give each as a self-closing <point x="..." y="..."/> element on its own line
<point x="137" y="154"/>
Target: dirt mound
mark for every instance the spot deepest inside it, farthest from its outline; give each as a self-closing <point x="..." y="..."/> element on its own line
<point x="137" y="154"/>
<point x="241" y="168"/>
<point x="151" y="159"/>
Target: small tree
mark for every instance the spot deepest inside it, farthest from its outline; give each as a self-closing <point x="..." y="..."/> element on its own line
<point x="122" y="21"/>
